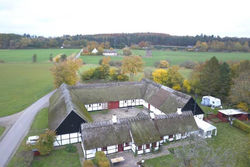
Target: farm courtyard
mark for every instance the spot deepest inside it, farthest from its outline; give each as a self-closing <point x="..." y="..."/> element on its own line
<point x="24" y="82"/>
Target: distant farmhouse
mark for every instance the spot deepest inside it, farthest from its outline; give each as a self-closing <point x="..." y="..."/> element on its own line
<point x="170" y="115"/>
<point x="109" y="52"/>
<point x="94" y="51"/>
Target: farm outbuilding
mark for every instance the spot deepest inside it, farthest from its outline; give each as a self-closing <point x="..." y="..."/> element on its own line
<point x="94" y="51"/>
<point x="207" y="130"/>
<point x="229" y="114"/>
<point x="109" y="52"/>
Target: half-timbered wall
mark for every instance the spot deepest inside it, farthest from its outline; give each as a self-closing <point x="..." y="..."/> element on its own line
<point x="96" y="106"/>
<point x="69" y="138"/>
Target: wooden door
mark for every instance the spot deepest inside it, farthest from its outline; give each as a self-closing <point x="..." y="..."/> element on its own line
<point x="113" y="104"/>
<point x="120" y="147"/>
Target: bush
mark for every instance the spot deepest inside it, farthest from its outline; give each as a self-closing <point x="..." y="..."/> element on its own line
<point x="126" y="51"/>
<point x="115" y="63"/>
<point x="87" y="75"/>
<point x="45" y="142"/>
<point x="243" y="106"/>
<point x="188" y="64"/>
<point x="101" y="159"/>
<point x="1" y="61"/>
<point x="88" y="163"/>
<point x="70" y="148"/>
<point x="241" y="125"/>
<point x="162" y="64"/>
<point x="171" y="150"/>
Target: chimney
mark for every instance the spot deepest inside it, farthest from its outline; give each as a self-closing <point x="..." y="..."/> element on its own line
<point x="114" y="119"/>
<point x="152" y="115"/>
<point x="179" y="111"/>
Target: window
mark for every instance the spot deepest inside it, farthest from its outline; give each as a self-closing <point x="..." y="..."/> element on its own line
<point x="104" y="149"/>
<point x="90" y="105"/>
<point x="153" y="144"/>
<point x="133" y="100"/>
<point x="170" y="136"/>
<point x="100" y="104"/>
<point x="126" y="144"/>
<point x="125" y="101"/>
<point x="139" y="147"/>
<point x="147" y="146"/>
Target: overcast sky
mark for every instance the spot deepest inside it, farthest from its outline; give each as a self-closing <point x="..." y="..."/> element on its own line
<point x="175" y="17"/>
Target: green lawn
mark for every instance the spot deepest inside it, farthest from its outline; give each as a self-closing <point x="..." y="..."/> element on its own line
<point x="228" y="137"/>
<point x="38" y="126"/>
<point x="23" y="84"/>
<point x="60" y="158"/>
<point x="1" y="130"/>
<point x="175" y="57"/>
<point x="25" y="55"/>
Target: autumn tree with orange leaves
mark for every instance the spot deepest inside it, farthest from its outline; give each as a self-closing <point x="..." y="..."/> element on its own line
<point x="66" y="72"/>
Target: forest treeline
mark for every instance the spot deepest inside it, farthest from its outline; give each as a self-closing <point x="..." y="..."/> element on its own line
<point x="202" y="42"/>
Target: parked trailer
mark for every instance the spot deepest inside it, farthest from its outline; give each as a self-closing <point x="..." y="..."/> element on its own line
<point x="210" y="101"/>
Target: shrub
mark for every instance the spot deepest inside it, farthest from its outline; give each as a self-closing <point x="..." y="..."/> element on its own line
<point x="241" y="125"/>
<point x="87" y="75"/>
<point x="101" y="159"/>
<point x="88" y="163"/>
<point x="171" y="150"/>
<point x="34" y="58"/>
<point x="115" y="63"/>
<point x="162" y="64"/>
<point x="45" y="142"/>
<point x="188" y="64"/>
<point x="70" y="148"/>
<point x="1" y="61"/>
<point x="243" y="106"/>
<point x="126" y="51"/>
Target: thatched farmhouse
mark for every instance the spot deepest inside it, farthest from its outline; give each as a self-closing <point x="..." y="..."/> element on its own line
<point x="170" y="116"/>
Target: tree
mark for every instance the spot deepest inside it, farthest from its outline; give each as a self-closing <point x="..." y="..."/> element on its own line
<point x="45" y="142"/>
<point x="66" y="72"/>
<point x="186" y="86"/>
<point x="160" y="76"/>
<point x="225" y="80"/>
<point x="63" y="57"/>
<point x="163" y="64"/>
<point x="34" y="58"/>
<point x="210" y="78"/>
<point x="51" y="57"/>
<point x="126" y="51"/>
<point x="101" y="72"/>
<point x="106" y="60"/>
<point x="170" y="77"/>
<point x="239" y="92"/>
<point x="132" y="65"/>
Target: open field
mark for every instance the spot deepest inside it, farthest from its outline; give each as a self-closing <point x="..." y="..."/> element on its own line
<point x="57" y="157"/>
<point x="23" y="84"/>
<point x="25" y="55"/>
<point x="176" y="57"/>
<point x="228" y="137"/>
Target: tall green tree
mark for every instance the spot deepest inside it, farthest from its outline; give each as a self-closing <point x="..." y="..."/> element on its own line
<point x="225" y="81"/>
<point x="210" y="78"/>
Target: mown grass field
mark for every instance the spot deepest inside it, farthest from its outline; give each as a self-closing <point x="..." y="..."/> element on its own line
<point x="58" y="157"/>
<point x="23" y="84"/>
<point x="175" y="57"/>
<point x="25" y="55"/>
<point x="228" y="137"/>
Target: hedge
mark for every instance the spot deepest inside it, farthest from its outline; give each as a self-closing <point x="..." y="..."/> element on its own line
<point x="241" y="125"/>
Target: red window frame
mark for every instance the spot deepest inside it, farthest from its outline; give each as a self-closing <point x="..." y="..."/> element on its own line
<point x="139" y="147"/>
<point x="147" y="146"/>
<point x="104" y="148"/>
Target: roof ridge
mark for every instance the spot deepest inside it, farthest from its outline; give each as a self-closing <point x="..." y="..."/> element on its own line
<point x="67" y="97"/>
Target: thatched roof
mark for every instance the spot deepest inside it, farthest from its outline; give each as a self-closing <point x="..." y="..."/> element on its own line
<point x="143" y="129"/>
<point x="62" y="103"/>
<point x="73" y="98"/>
